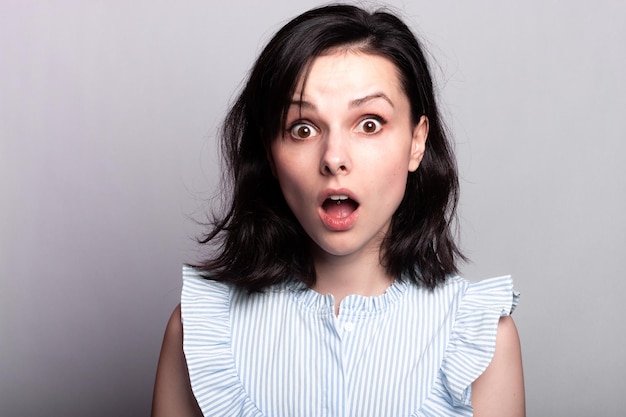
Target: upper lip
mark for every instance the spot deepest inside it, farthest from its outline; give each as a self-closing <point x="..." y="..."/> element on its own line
<point x="334" y="192"/>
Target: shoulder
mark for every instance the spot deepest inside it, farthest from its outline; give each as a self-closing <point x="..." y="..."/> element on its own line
<point x="174" y="328"/>
<point x="172" y="390"/>
<point x="499" y="391"/>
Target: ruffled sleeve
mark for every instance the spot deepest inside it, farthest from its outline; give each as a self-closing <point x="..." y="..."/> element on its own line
<point x="205" y="308"/>
<point x="471" y="346"/>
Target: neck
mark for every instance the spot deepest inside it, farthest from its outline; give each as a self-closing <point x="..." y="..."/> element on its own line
<point x="347" y="275"/>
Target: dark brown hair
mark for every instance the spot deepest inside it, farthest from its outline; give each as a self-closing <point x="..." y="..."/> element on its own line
<point x="258" y="242"/>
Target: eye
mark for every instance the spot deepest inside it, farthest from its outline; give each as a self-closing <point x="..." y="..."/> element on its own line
<point x="370" y="126"/>
<point x="303" y="131"/>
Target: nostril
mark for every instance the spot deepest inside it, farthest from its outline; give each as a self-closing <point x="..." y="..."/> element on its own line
<point x="329" y="170"/>
<point x="330" y="167"/>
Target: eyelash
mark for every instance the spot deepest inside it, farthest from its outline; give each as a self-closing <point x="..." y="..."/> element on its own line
<point x="314" y="131"/>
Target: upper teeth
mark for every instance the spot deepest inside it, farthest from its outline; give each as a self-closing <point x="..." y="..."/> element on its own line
<point x="338" y="198"/>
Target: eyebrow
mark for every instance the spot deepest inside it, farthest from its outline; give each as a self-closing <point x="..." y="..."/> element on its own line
<point x="354" y="103"/>
<point x="360" y="101"/>
<point x="302" y="103"/>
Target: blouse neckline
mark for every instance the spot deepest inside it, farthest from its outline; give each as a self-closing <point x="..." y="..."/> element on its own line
<point x="317" y="303"/>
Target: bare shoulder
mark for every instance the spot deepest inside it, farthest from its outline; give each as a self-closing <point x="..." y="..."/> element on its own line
<point x="174" y="328"/>
<point x="499" y="391"/>
<point x="172" y="389"/>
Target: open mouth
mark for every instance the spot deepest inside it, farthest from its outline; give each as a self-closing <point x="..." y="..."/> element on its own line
<point x="339" y="206"/>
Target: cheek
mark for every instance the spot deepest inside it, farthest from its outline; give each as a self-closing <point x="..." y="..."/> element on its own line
<point x="280" y="166"/>
<point x="394" y="184"/>
<point x="293" y="169"/>
<point x="291" y="181"/>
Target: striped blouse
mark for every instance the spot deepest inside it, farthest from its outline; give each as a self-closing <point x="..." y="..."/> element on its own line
<point x="409" y="352"/>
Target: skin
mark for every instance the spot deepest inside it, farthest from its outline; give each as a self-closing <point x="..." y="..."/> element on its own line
<point x="172" y="390"/>
<point x="354" y="135"/>
<point x="499" y="391"/>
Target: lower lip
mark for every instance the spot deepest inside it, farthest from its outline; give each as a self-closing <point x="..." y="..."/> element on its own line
<point x="336" y="224"/>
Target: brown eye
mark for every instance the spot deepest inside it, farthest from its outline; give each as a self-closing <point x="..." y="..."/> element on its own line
<point x="370" y="126"/>
<point x="303" y="131"/>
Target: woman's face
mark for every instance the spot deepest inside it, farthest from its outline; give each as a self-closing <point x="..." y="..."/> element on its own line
<point x="344" y="155"/>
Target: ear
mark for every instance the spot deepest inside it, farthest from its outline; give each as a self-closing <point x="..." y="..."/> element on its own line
<point x="418" y="143"/>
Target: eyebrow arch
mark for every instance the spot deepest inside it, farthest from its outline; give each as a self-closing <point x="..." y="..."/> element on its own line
<point x="360" y="101"/>
<point x="354" y="103"/>
<point x="302" y="103"/>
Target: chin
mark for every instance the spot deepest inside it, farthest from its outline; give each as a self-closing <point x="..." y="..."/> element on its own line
<point x="342" y="249"/>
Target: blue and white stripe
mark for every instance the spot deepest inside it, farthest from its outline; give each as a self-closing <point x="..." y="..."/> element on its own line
<point x="408" y="352"/>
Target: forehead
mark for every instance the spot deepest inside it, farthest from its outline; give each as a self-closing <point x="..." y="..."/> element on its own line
<point x="347" y="72"/>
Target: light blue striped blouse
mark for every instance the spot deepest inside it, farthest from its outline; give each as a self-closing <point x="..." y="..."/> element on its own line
<point x="409" y="352"/>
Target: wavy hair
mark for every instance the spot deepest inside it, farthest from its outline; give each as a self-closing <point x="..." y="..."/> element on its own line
<point x="257" y="242"/>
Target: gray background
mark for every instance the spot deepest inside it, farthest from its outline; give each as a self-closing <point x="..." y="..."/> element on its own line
<point x="108" y="111"/>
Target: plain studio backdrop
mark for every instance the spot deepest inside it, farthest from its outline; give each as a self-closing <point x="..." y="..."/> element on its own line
<point x="108" y="115"/>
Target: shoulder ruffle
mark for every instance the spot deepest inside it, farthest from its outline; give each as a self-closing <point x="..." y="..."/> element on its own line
<point x="205" y="310"/>
<point x="471" y="346"/>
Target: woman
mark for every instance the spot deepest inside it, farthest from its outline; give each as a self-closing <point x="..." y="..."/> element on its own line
<point x="333" y="287"/>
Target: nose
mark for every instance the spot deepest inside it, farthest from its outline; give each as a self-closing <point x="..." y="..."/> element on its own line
<point x="335" y="159"/>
